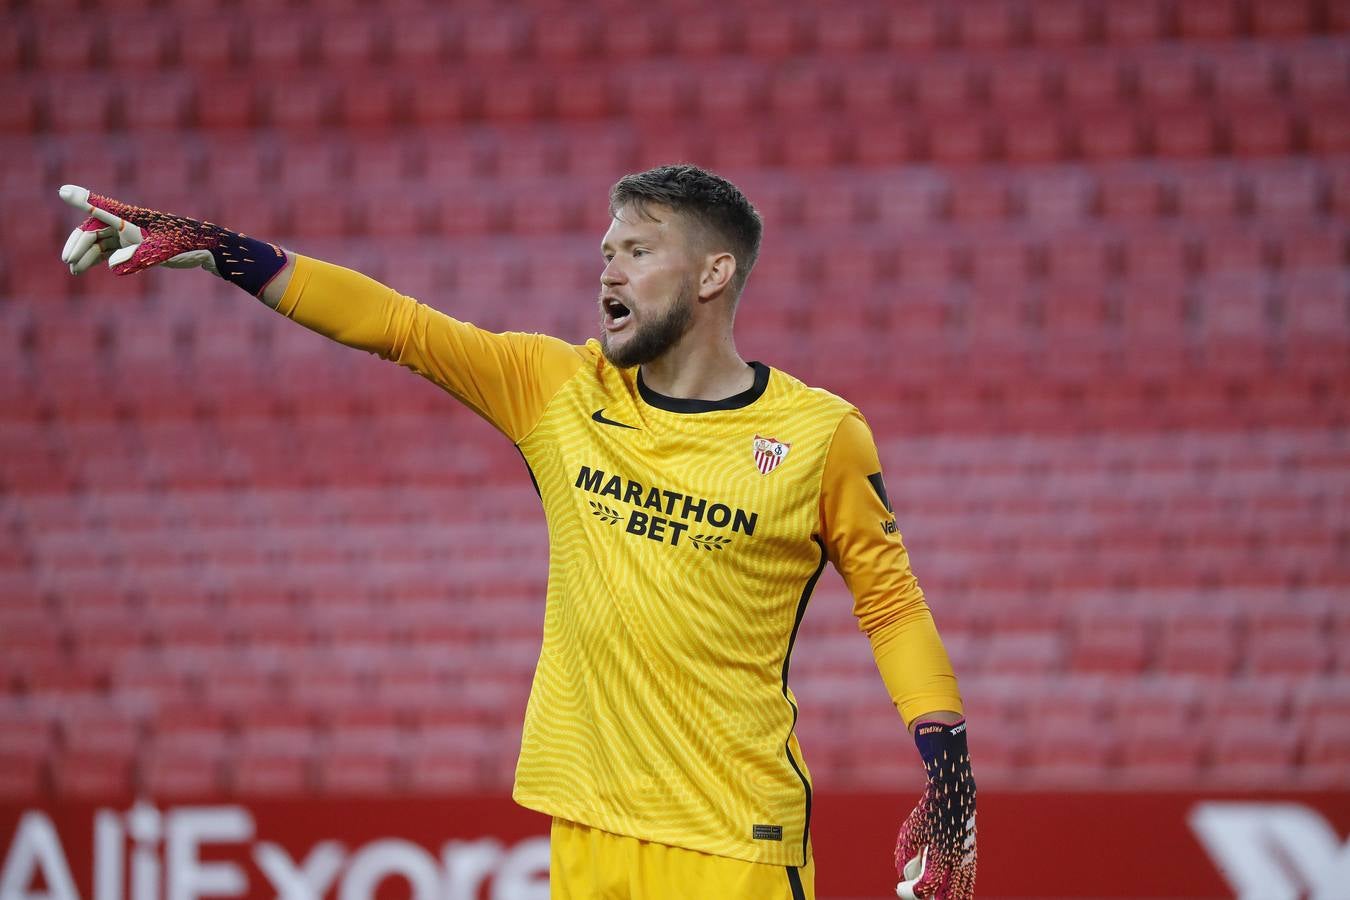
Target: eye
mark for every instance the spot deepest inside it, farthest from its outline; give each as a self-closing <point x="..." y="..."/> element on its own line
<point x="608" y="256"/>
<point x="638" y="251"/>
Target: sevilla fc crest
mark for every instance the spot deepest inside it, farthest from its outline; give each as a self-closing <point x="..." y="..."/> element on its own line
<point x="769" y="453"/>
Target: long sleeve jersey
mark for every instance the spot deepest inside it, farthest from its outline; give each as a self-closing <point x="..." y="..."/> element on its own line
<point x="685" y="539"/>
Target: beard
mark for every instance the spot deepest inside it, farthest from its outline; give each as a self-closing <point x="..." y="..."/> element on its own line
<point x="652" y="339"/>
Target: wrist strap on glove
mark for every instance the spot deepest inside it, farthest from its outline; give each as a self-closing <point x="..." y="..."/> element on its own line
<point x="935" y="854"/>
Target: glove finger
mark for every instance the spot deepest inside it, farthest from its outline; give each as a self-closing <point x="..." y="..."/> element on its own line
<point x="191" y="259"/>
<point x="110" y="212"/>
<point x="75" y="195"/>
<point x="914" y="869"/>
<point x="130" y="234"/>
<point x="78" y="242"/>
<point x="91" y="255"/>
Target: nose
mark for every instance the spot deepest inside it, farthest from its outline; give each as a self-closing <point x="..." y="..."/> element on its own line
<point x="612" y="274"/>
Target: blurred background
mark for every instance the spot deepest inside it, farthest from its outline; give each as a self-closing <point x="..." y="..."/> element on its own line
<point x="1081" y="263"/>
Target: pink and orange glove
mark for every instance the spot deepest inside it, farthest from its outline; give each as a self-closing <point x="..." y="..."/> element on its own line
<point x="132" y="238"/>
<point x="935" y="852"/>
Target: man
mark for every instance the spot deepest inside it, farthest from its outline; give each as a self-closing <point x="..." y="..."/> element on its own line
<point x="692" y="500"/>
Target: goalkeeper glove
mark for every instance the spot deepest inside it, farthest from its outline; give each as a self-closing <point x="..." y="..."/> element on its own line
<point x="133" y="238"/>
<point x="935" y="852"/>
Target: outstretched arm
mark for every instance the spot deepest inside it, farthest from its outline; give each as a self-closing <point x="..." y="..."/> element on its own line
<point x="506" y="378"/>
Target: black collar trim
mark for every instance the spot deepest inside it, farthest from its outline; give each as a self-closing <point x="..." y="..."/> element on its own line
<point x="683" y="405"/>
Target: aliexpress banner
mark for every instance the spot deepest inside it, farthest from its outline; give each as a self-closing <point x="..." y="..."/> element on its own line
<point x="486" y="848"/>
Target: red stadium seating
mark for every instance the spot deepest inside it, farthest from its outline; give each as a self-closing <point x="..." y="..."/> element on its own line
<point x="1099" y="250"/>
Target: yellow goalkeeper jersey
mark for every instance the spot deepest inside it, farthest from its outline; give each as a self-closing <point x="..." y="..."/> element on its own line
<point x="685" y="539"/>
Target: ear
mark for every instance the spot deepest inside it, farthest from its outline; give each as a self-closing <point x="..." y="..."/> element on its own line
<point x="718" y="271"/>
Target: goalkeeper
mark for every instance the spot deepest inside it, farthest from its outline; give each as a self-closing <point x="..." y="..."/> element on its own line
<point x="692" y="501"/>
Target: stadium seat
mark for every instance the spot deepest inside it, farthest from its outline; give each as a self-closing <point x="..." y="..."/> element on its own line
<point x="1207" y="19"/>
<point x="1191" y="133"/>
<point x="1110" y="134"/>
<point x="1161" y="752"/>
<point x="68" y="45"/>
<point x="568" y="37"/>
<point x="1279" y="19"/>
<point x="229" y="111"/>
<point x="847" y="32"/>
<point x="494" y="38"/>
<point x="349" y="42"/>
<point x="207" y="43"/>
<point x="1070" y="754"/>
<point x="989" y="24"/>
<point x="1317" y="72"/>
<point x="1242" y="75"/>
<point x="1166" y="79"/>
<point x="583" y="95"/>
<point x="1111" y="647"/>
<point x="959" y="140"/>
<point x="1240" y="254"/>
<point x="1290" y="653"/>
<point x="13" y="44"/>
<point x="20" y="114"/>
<point x="76" y="105"/>
<point x="240" y="689"/>
<point x="1161" y="257"/>
<point x="944" y="85"/>
<point x="370" y="106"/>
<point x="1026" y="653"/>
<point x="978" y="200"/>
<point x="1061" y="23"/>
<point x="1209" y="193"/>
<point x="1327" y="753"/>
<point x="142" y="44"/>
<point x="174" y="775"/>
<point x="1261" y="131"/>
<point x="105" y="775"/>
<point x="1287" y="194"/>
<point x="1132" y="23"/>
<point x="280" y="45"/>
<point x="261" y="774"/>
<point x="1327" y="133"/>
<point x="348" y="774"/>
<point x="1198" y="645"/>
<point x="419" y="43"/>
<point x="436" y="772"/>
<point x="917" y="25"/>
<point x="26" y="736"/>
<point x="513" y="97"/>
<point x="1263" y="702"/>
<point x="1251" y="754"/>
<point x="1062" y="199"/>
<point x="93" y="734"/>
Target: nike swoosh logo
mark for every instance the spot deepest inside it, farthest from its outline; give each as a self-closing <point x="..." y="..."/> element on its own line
<point x="599" y="416"/>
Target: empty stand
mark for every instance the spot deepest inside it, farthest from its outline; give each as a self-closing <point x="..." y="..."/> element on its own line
<point x="1083" y="266"/>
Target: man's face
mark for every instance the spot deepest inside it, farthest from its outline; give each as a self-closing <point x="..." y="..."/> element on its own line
<point x="648" y="287"/>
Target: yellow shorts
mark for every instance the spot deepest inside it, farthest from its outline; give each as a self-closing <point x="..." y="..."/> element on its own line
<point x="589" y="864"/>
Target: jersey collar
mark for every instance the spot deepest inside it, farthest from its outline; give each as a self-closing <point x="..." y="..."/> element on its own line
<point x="683" y="405"/>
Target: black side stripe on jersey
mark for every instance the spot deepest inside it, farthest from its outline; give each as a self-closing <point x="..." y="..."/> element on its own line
<point x="795" y="882"/>
<point x="534" y="481"/>
<point x="787" y="662"/>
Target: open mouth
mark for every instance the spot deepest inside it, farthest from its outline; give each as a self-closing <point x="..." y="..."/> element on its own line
<point x="616" y="314"/>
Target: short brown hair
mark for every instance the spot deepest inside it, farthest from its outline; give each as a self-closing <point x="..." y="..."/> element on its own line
<point x="708" y="199"/>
